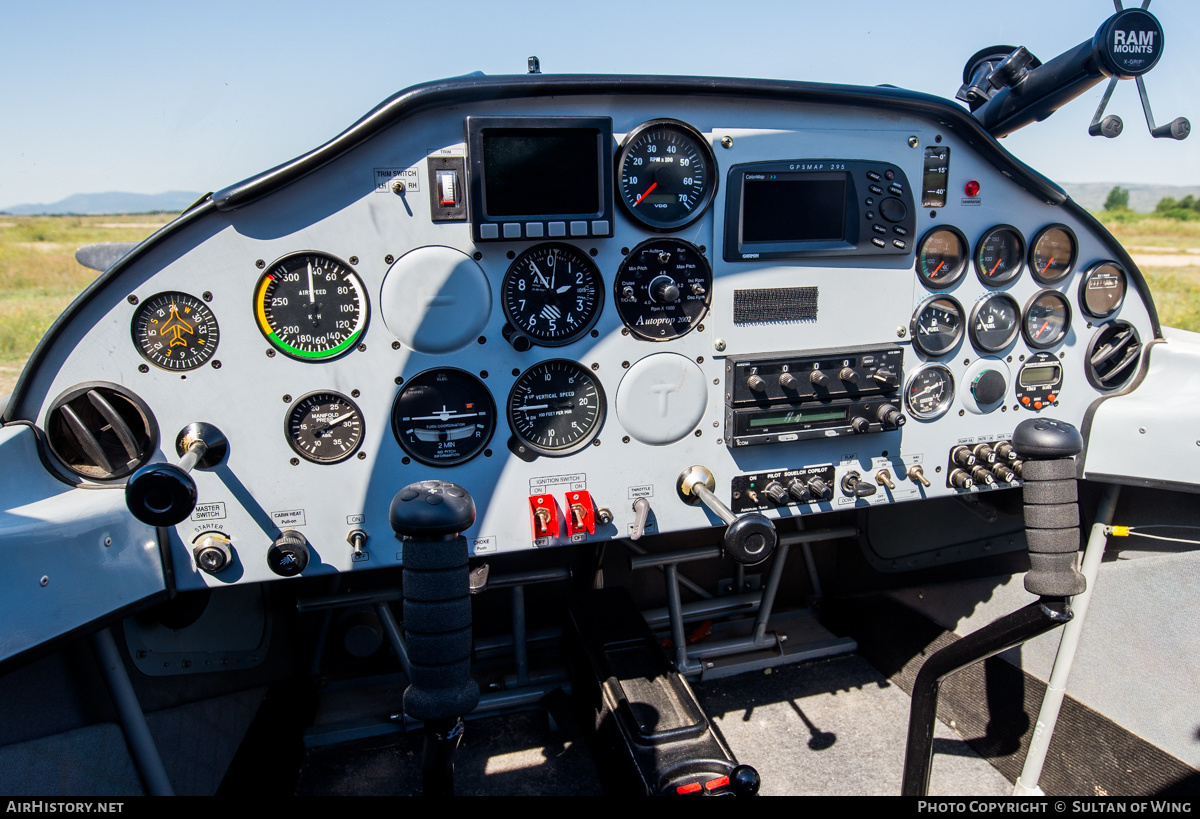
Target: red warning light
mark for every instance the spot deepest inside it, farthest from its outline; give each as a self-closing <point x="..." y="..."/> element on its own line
<point x="971" y="188"/>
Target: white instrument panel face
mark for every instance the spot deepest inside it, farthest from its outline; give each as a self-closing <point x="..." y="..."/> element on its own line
<point x="435" y="300"/>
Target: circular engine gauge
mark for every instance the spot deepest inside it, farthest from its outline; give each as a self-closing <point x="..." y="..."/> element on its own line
<point x="1052" y="254"/>
<point x="942" y="257"/>
<point x="324" y="427"/>
<point x="556" y="408"/>
<point x="1000" y="255"/>
<point x="1047" y="318"/>
<point x="995" y="322"/>
<point x="937" y="325"/>
<point x="311" y="306"/>
<point x="444" y="417"/>
<point x="662" y="289"/>
<point x="930" y="392"/>
<point x="175" y="331"/>
<point x="553" y="293"/>
<point x="666" y="174"/>
<point x="1102" y="289"/>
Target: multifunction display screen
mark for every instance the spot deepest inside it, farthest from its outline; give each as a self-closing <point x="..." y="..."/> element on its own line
<point x="541" y="171"/>
<point x="793" y="208"/>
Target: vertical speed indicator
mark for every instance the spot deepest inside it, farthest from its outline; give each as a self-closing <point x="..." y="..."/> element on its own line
<point x="666" y="174"/>
<point x="556" y="407"/>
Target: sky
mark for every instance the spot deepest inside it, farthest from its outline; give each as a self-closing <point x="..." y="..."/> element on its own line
<point x="147" y="97"/>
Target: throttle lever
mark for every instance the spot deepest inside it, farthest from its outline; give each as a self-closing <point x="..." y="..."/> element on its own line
<point x="164" y="494"/>
<point x="749" y="539"/>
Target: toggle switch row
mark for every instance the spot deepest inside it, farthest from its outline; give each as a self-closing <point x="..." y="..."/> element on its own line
<point x="580" y="515"/>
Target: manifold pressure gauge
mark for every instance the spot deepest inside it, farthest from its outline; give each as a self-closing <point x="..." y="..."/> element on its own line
<point x="311" y="306"/>
<point x="324" y="427"/>
<point x="556" y="407"/>
<point x="553" y="293"/>
<point x="930" y="392"/>
<point x="175" y="331"/>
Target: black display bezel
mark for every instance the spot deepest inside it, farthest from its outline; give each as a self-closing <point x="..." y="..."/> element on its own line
<point x="519" y="324"/>
<point x="1037" y="237"/>
<point x="1066" y="330"/>
<point x="394" y="417"/>
<point x="1021" y="257"/>
<point x="966" y="260"/>
<point x="585" y="440"/>
<point x="704" y="148"/>
<point x="477" y="176"/>
<point x="1087" y="277"/>
<point x="914" y="324"/>
<point x="287" y="427"/>
<point x="1017" y="322"/>
<point x="861" y="222"/>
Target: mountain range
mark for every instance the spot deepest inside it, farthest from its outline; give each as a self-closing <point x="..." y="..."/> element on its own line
<point x="109" y="202"/>
<point x="1091" y="195"/>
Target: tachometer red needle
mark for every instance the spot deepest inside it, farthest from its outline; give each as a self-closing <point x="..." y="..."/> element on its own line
<point x="1041" y="330"/>
<point x="1047" y="267"/>
<point x="997" y="264"/>
<point x="644" y="195"/>
<point x="936" y="269"/>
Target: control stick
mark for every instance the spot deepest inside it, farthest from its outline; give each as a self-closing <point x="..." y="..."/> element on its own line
<point x="749" y="539"/>
<point x="164" y="494"/>
<point x="429" y="518"/>
<point x="1048" y="448"/>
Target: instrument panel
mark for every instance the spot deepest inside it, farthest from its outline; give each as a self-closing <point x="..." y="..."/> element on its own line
<point x="585" y="295"/>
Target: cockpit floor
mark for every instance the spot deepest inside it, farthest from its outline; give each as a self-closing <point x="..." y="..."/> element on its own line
<point x="828" y="727"/>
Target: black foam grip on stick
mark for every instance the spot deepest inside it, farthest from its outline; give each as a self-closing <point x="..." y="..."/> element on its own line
<point x="429" y="517"/>
<point x="1051" y="508"/>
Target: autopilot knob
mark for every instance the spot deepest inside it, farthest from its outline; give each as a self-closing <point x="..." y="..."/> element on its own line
<point x="775" y="491"/>
<point x="664" y="290"/>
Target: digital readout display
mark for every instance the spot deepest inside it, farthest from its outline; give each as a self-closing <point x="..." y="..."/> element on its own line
<point x="541" y="172"/>
<point x="782" y="207"/>
<point x="798" y="416"/>
<point x="1039" y="376"/>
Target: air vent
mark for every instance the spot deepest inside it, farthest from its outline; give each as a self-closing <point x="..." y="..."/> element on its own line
<point x="1113" y="355"/>
<point x="101" y="431"/>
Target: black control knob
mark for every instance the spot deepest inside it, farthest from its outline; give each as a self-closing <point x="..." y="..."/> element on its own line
<point x="890" y="416"/>
<point x="960" y="479"/>
<point x="886" y="378"/>
<point x="962" y="456"/>
<point x="820" y="490"/>
<point x="854" y="486"/>
<point x="989" y="387"/>
<point x="984" y="453"/>
<point x="818" y="378"/>
<point x="1051" y="505"/>
<point x="848" y="375"/>
<point x="789" y="381"/>
<point x="756" y="383"/>
<point x="664" y="290"/>
<point x="288" y="555"/>
<point x="744" y="781"/>
<point x="860" y="425"/>
<point x="981" y="475"/>
<point x="775" y="491"/>
<point x="165" y="494"/>
<point x="799" y="492"/>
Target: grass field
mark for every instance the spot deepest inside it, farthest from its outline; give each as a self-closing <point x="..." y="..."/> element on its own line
<point x="39" y="275"/>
